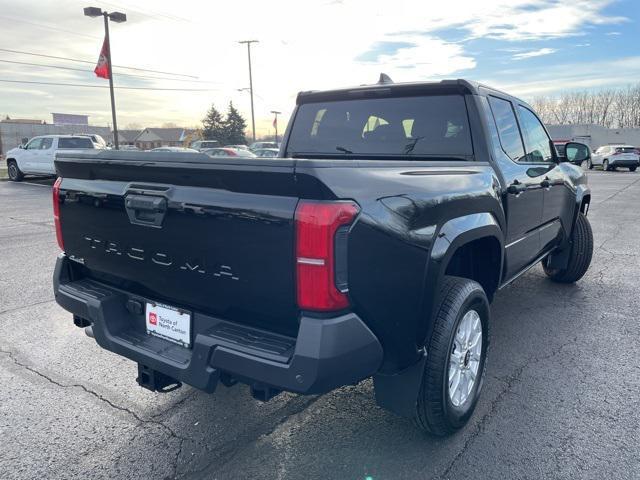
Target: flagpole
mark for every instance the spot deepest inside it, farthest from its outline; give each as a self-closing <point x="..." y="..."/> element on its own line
<point x="275" y="122"/>
<point x="109" y="64"/>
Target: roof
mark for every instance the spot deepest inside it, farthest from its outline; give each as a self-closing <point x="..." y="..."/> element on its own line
<point x="166" y="134"/>
<point x="128" y="135"/>
<point x="459" y="85"/>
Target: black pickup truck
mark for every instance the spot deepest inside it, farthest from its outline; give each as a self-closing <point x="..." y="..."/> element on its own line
<point x="371" y="248"/>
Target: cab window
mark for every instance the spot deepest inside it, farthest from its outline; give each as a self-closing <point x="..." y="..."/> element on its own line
<point x="34" y="144"/>
<point x="537" y="141"/>
<point x="508" y="131"/>
<point x="46" y="143"/>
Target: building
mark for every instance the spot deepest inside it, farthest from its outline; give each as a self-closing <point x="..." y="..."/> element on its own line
<point x="128" y="137"/>
<point x="164" y="137"/>
<point x="70" y="119"/>
<point x="595" y="135"/>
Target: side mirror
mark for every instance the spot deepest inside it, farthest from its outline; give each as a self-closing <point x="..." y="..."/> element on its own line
<point x="576" y="153"/>
<point x="21" y="145"/>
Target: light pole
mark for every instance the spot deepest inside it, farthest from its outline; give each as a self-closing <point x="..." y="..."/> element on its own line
<point x="275" y="122"/>
<point x="253" y="119"/>
<point x="117" y="17"/>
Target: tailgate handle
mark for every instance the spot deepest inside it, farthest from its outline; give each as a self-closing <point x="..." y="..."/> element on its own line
<point x="146" y="210"/>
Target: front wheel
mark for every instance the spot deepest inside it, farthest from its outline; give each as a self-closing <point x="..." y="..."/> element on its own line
<point x="579" y="255"/>
<point x="632" y="169"/>
<point x="605" y="166"/>
<point x="15" y="175"/>
<point x="454" y="369"/>
<point x="590" y="164"/>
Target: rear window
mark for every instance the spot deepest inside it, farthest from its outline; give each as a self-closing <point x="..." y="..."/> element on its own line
<point x="75" y="142"/>
<point x="435" y="125"/>
<point x="625" y="150"/>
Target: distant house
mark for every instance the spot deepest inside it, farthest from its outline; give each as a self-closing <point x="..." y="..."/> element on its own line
<point x="163" y="137"/>
<point x="128" y="137"/>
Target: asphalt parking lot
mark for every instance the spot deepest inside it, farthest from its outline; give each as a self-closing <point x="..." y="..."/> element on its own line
<point x="561" y="398"/>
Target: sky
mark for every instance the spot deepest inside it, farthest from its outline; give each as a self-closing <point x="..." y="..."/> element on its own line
<point x="526" y="47"/>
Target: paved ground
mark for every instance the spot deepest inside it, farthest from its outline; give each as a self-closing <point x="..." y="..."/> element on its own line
<point x="561" y="399"/>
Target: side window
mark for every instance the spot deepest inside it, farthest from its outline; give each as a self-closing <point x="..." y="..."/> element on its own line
<point x="46" y="143"/>
<point x="34" y="144"/>
<point x="536" y="138"/>
<point x="508" y="131"/>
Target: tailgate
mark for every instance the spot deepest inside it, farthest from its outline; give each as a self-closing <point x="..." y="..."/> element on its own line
<point x="186" y="230"/>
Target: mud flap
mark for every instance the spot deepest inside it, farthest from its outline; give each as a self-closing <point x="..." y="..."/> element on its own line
<point x="398" y="393"/>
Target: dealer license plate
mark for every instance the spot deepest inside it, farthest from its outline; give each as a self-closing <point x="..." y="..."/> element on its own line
<point x="170" y="323"/>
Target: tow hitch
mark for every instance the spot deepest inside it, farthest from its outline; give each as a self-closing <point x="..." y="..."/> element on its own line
<point x="156" y="381"/>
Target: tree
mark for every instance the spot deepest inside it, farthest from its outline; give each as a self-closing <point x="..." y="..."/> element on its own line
<point x="213" y="126"/>
<point x="234" y="127"/>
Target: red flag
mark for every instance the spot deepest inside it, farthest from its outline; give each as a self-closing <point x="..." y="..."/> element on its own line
<point x="102" y="68"/>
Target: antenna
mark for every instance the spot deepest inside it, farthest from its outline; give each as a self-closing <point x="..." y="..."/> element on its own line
<point x="384" y="79"/>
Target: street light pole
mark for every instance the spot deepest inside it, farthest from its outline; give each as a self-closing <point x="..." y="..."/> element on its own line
<point x="253" y="119"/>
<point x="276" y="113"/>
<point x="117" y="17"/>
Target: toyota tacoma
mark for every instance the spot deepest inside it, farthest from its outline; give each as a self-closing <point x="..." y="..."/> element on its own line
<point x="371" y="247"/>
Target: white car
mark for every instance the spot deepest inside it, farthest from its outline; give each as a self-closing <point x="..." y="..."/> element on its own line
<point x="38" y="155"/>
<point x="611" y="157"/>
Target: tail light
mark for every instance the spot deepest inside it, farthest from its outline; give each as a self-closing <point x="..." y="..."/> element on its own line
<point x="321" y="235"/>
<point x="56" y="212"/>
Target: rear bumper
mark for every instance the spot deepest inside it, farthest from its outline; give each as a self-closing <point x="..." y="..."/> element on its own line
<point x="623" y="163"/>
<point x="326" y="354"/>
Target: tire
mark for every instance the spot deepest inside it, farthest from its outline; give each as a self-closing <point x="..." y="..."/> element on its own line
<point x="15" y="175"/>
<point x="590" y="164"/>
<point x="579" y="256"/>
<point x="605" y="166"/>
<point x="632" y="169"/>
<point x="436" y="411"/>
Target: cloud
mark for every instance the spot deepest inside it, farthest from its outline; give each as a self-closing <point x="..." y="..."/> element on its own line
<point x="534" y="53"/>
<point x="314" y="44"/>
<point x="612" y="34"/>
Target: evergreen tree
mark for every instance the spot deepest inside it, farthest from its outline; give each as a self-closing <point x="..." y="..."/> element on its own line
<point x="234" y="126"/>
<point x="213" y="126"/>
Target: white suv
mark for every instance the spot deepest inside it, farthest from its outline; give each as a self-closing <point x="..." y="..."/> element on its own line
<point x="37" y="156"/>
<point x="613" y="156"/>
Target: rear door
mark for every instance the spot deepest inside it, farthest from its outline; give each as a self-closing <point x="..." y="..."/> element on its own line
<point x="524" y="197"/>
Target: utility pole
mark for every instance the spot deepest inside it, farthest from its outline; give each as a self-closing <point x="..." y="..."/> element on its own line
<point x="117" y="17"/>
<point x="253" y="119"/>
<point x="275" y="122"/>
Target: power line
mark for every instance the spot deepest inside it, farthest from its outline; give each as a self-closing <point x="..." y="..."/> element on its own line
<point x="48" y="27"/>
<point x="60" y="67"/>
<point x="31" y="82"/>
<point x="93" y="62"/>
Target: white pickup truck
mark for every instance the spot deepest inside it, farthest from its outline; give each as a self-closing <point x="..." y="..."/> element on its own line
<point x="37" y="156"/>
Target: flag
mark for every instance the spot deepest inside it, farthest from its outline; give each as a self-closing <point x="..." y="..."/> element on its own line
<point x="102" y="67"/>
<point x="275" y="122"/>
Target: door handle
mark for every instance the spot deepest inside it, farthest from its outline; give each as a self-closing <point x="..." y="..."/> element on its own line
<point x="516" y="188"/>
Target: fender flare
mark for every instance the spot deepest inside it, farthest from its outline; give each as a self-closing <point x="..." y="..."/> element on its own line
<point x="398" y="392"/>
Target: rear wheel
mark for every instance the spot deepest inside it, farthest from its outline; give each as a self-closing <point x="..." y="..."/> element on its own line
<point x="15" y="175"/>
<point x="590" y="164"/>
<point x="632" y="169"/>
<point x="579" y="256"/>
<point x="454" y="369"/>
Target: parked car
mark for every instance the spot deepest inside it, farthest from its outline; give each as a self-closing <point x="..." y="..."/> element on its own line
<point x="37" y="155"/>
<point x="262" y="145"/>
<point x="266" y="152"/>
<point x="131" y="148"/>
<point x="173" y="149"/>
<point x="228" y="152"/>
<point x="610" y="157"/>
<point x="372" y="249"/>
<point x="237" y="147"/>
<point x="204" y="144"/>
